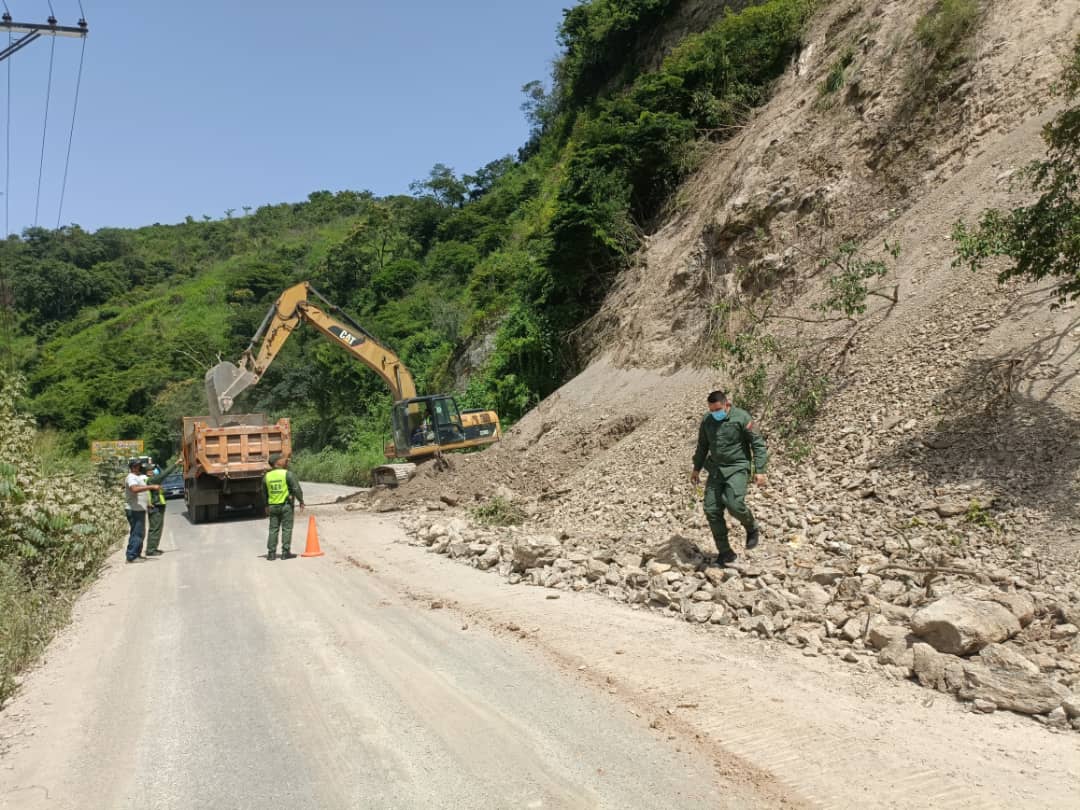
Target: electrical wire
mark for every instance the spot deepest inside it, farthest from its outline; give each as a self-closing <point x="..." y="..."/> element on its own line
<point x="71" y="133"/>
<point x="44" y="130"/>
<point x="7" y="151"/>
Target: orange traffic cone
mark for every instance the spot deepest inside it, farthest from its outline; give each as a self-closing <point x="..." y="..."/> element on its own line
<point x="312" y="549"/>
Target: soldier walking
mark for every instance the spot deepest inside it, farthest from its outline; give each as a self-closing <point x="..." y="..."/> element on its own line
<point x="729" y="449"/>
<point x="281" y="488"/>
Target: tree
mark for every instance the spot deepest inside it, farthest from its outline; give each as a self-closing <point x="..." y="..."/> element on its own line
<point x="1042" y="239"/>
<point x="539" y="107"/>
<point x="443" y="185"/>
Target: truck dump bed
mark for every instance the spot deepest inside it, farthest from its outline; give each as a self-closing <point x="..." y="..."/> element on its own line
<point x="240" y="449"/>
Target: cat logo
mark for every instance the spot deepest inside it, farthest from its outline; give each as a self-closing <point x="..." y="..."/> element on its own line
<point x="345" y="336"/>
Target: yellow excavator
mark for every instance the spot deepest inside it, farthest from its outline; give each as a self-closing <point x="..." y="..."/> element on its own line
<point x="423" y="427"/>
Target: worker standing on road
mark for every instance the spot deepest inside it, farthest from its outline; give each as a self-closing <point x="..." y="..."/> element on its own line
<point x="728" y="448"/>
<point x="155" y="510"/>
<point x="281" y="488"/>
<point x="134" y="507"/>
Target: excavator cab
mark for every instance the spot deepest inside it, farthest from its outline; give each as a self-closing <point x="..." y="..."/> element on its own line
<point x="425" y="425"/>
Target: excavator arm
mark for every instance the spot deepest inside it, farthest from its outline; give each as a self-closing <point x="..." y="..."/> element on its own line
<point x="225" y="381"/>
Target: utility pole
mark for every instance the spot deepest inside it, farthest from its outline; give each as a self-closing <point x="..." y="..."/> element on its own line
<point x="33" y="31"/>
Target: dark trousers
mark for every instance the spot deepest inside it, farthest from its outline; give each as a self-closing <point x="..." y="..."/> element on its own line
<point x="727" y="492"/>
<point x="137" y="522"/>
<point x="155" y="525"/>
<point x="281" y="517"/>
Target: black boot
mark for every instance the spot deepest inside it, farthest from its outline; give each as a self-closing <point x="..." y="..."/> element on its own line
<point x="287" y="555"/>
<point x="753" y="537"/>
<point x="271" y="555"/>
<point x="726" y="558"/>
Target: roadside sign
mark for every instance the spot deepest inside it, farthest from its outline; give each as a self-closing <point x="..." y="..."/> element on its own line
<point x="125" y="448"/>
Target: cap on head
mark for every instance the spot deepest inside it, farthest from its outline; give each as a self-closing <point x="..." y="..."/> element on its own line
<point x="134" y="463"/>
<point x="276" y="459"/>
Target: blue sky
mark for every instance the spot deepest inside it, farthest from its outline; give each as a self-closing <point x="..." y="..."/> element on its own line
<point x="199" y="106"/>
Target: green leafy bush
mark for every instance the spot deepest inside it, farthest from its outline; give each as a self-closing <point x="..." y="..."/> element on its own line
<point x="499" y="512"/>
<point x="1041" y="239"/>
<point x="56" y="529"/>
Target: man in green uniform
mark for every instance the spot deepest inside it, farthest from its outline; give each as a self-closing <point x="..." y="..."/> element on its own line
<point x="281" y="488"/>
<point x="728" y="448"/>
<point x="155" y="510"/>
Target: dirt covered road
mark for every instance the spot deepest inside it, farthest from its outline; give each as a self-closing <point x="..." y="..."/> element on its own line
<point x="382" y="676"/>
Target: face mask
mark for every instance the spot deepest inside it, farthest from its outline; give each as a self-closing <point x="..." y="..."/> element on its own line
<point x="719" y="416"/>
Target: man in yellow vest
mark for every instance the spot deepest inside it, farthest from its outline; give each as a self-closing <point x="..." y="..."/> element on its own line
<point x="281" y="488"/>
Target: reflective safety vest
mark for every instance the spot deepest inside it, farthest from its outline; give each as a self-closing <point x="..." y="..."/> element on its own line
<point x="156" y="496"/>
<point x="277" y="487"/>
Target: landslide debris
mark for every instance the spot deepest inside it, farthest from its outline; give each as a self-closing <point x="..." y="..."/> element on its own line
<point x="927" y="526"/>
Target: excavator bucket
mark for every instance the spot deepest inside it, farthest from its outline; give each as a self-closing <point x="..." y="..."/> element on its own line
<point x="223" y="383"/>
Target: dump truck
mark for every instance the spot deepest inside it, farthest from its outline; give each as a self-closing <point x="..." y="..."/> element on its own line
<point x="225" y="460"/>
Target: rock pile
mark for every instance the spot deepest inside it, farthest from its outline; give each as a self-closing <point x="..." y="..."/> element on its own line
<point x="995" y="639"/>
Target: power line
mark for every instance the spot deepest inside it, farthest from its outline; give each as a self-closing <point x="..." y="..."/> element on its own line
<point x="30" y="32"/>
<point x="7" y="151"/>
<point x="71" y="134"/>
<point x="44" y="129"/>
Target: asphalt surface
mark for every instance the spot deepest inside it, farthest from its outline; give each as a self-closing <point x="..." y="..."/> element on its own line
<point x="213" y="678"/>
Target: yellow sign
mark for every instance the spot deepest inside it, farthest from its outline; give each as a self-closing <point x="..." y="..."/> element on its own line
<point x="125" y="448"/>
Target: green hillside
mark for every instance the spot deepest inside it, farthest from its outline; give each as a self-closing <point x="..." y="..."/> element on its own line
<point x="115" y="329"/>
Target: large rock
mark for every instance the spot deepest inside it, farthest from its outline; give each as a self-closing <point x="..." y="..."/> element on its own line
<point x="1010" y="681"/>
<point x="701" y="612"/>
<point x="826" y="576"/>
<point x="937" y="670"/>
<point x="1019" y="603"/>
<point x="732" y="594"/>
<point x="1072" y="705"/>
<point x="595" y="569"/>
<point x="960" y="625"/>
<point x="898" y="654"/>
<point x="814" y="596"/>
<point x="529" y="551"/>
<point x="490" y="558"/>
<point x="861" y="625"/>
<point x="886" y="635"/>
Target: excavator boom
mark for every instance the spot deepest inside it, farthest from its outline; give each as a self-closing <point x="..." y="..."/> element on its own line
<point x="225" y="381"/>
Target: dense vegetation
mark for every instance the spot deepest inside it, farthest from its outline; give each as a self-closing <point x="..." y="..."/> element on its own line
<point x="476" y="280"/>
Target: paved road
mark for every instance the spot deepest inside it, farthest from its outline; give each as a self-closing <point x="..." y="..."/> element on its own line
<point x="213" y="678"/>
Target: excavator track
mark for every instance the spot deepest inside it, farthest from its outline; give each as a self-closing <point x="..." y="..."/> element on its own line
<point x="392" y="475"/>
